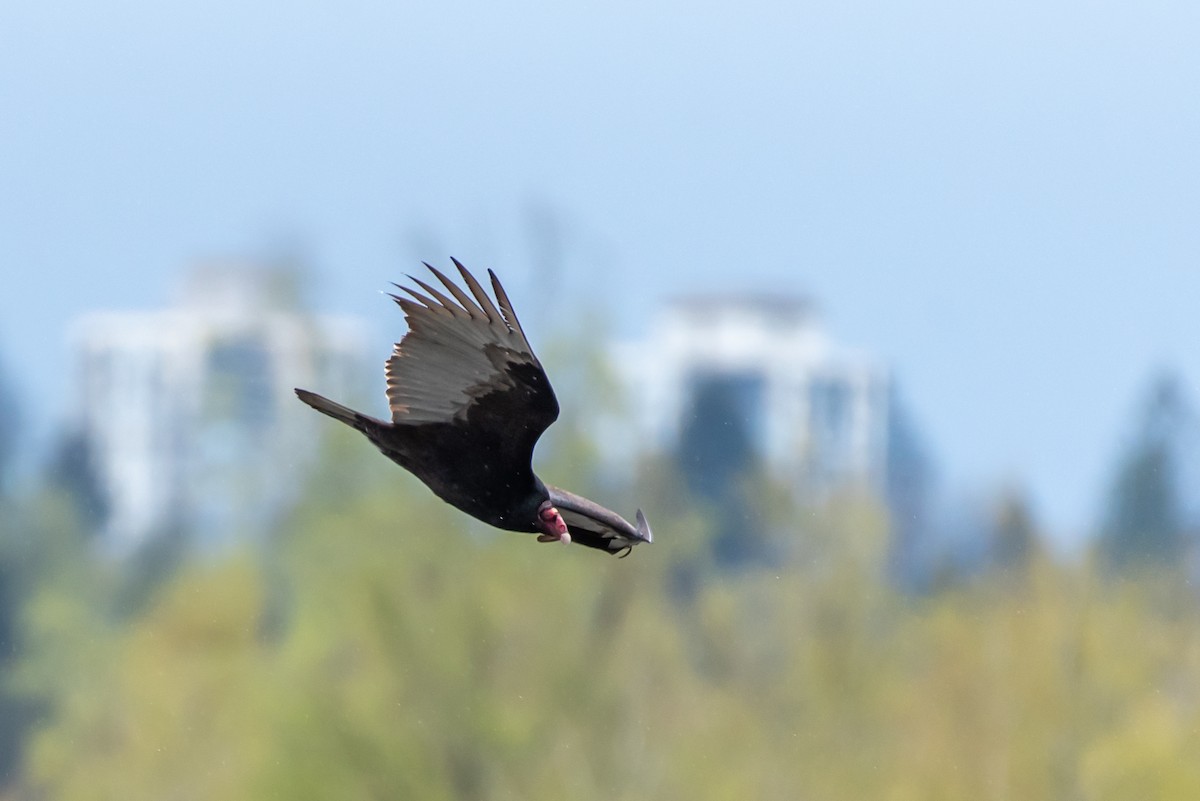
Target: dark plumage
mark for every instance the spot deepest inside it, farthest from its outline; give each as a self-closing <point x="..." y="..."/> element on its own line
<point x="469" y="400"/>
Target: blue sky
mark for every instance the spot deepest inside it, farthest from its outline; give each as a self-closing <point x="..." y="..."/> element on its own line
<point x="1000" y="200"/>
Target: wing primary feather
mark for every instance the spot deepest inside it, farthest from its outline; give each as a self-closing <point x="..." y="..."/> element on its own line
<point x="428" y="303"/>
<point x="450" y="305"/>
<point x="411" y="309"/>
<point x="485" y="302"/>
<point x="510" y="316"/>
<point x="462" y="297"/>
<point x="457" y="347"/>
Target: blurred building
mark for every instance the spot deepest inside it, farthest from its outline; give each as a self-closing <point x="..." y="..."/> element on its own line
<point x="188" y="412"/>
<point x="760" y="378"/>
<point x="735" y="386"/>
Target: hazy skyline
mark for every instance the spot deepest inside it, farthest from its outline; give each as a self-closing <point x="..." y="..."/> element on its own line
<point x="1000" y="203"/>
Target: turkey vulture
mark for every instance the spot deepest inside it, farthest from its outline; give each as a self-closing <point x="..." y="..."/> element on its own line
<point x="469" y="401"/>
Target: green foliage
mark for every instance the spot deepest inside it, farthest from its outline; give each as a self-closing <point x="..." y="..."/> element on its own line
<point x="382" y="646"/>
<point x="168" y="708"/>
<point x="1145" y="522"/>
<point x="47" y="591"/>
<point x="421" y="659"/>
<point x="10" y="426"/>
<point x="1015" y="542"/>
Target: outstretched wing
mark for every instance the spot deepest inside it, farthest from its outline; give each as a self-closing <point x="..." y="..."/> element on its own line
<point x="466" y="361"/>
<point x="592" y="525"/>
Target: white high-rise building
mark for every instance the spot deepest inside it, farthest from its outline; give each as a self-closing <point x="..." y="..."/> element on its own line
<point x="189" y="412"/>
<point x="816" y="414"/>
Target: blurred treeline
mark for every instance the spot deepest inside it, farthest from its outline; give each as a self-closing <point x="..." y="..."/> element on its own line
<point x="377" y="645"/>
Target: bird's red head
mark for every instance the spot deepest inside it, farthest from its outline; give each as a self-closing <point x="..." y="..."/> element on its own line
<point x="551" y="524"/>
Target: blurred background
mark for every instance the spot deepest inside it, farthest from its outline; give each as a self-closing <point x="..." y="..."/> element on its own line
<point x="886" y="315"/>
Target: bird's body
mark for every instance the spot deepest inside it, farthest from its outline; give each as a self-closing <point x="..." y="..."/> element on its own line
<point x="450" y="461"/>
<point x="469" y="400"/>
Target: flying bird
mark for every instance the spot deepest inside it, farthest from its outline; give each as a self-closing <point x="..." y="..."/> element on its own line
<point x="469" y="400"/>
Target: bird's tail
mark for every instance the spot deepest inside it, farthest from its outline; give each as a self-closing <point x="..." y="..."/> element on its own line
<point x="337" y="411"/>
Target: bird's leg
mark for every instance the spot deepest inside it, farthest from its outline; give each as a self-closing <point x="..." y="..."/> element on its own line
<point x="554" y="528"/>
